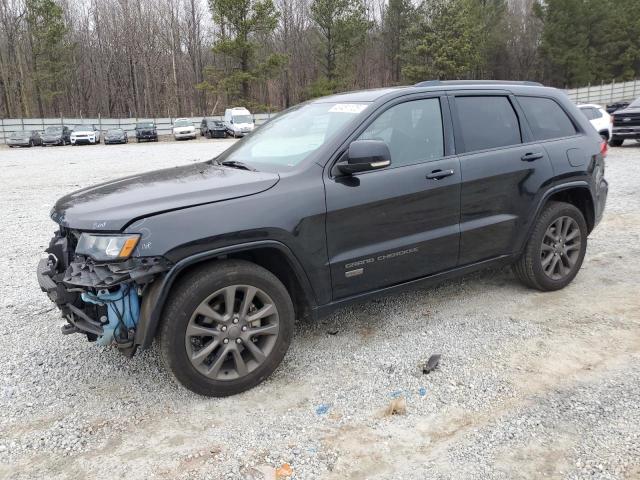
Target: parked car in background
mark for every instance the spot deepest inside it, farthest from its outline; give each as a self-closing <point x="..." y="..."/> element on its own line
<point x="599" y="118"/>
<point x="116" y="135"/>
<point x="238" y="121"/>
<point x="24" y="138"/>
<point x="211" y="128"/>
<point x="146" y="131"/>
<point x="85" y="133"/>
<point x="56" y="135"/>
<point x="341" y="199"/>
<point x="183" y="129"/>
<point x="626" y="124"/>
<point x="612" y="107"/>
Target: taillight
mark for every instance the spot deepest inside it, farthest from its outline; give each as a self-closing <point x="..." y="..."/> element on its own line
<point x="604" y="148"/>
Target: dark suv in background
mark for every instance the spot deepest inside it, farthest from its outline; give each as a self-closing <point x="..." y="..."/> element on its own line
<point x="337" y="200"/>
<point x="212" y="128"/>
<point x="146" y="131"/>
<point x="626" y="124"/>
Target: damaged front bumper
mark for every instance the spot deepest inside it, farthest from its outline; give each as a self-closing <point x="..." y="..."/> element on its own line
<point x="99" y="299"/>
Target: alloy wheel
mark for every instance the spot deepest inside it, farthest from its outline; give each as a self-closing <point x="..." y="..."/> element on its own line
<point x="232" y="332"/>
<point x="560" y="249"/>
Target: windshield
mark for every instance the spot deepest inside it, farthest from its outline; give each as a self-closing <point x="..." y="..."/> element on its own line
<point x="291" y="137"/>
<point x="145" y="125"/>
<point x="115" y="131"/>
<point x="635" y="103"/>
<point x="83" y="128"/>
<point x="242" y="119"/>
<point x="183" y="123"/>
<point x="53" y="130"/>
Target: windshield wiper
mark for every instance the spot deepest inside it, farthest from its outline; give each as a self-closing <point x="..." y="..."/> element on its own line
<point x="237" y="164"/>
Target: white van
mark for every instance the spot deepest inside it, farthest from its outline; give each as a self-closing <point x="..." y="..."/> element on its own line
<point x="238" y="121"/>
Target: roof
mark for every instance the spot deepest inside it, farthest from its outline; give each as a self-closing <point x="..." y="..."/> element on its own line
<point x="591" y="105"/>
<point x="429" y="85"/>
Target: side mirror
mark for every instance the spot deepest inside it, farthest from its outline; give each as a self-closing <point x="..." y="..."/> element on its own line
<point x="365" y="155"/>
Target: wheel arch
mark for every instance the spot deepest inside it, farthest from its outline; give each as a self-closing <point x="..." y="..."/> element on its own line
<point x="272" y="255"/>
<point x="577" y="194"/>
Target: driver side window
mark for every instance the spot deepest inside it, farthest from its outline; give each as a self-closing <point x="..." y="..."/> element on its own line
<point x="412" y="131"/>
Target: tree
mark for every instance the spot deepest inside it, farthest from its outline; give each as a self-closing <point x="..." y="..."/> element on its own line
<point x="396" y="20"/>
<point x="241" y="21"/>
<point x="47" y="32"/>
<point x="342" y="26"/>
<point x="444" y="42"/>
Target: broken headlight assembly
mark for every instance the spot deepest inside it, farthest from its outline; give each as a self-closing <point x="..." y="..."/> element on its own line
<point x="104" y="248"/>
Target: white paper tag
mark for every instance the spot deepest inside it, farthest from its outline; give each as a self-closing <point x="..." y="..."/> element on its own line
<point x="347" y="108"/>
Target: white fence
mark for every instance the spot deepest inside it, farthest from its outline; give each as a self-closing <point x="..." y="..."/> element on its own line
<point x="606" y="93"/>
<point x="10" y="125"/>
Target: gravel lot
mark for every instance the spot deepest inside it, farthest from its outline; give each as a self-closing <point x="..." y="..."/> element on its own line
<point x="530" y="385"/>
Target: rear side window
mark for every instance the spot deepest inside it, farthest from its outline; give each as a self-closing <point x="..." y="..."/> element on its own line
<point x="588" y="112"/>
<point x="546" y="118"/>
<point x="487" y="122"/>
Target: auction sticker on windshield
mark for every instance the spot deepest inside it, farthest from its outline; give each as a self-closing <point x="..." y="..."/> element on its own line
<point x="348" y="108"/>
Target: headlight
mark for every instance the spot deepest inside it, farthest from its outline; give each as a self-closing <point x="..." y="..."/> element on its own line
<point x="107" y="247"/>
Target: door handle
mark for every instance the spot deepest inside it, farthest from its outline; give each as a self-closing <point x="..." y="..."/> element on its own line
<point x="440" y="174"/>
<point x="530" y="157"/>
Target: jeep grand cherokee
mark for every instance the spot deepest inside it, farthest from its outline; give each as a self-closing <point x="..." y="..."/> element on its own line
<point x="336" y="200"/>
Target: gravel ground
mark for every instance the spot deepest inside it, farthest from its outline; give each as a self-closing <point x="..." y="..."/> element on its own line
<point x="530" y="385"/>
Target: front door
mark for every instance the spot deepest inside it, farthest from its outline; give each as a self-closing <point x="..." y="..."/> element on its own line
<point x="400" y="223"/>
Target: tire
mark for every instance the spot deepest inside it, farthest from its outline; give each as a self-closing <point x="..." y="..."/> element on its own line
<point x="200" y="288"/>
<point x="616" y="142"/>
<point x="530" y="268"/>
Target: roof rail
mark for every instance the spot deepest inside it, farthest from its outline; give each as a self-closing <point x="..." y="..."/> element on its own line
<point x="434" y="83"/>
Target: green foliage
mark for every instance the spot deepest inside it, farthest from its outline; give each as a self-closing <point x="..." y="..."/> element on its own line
<point x="342" y="26"/>
<point x="589" y="41"/>
<point x="242" y="23"/>
<point x="47" y="31"/>
<point x="395" y="26"/>
<point x="444" y="42"/>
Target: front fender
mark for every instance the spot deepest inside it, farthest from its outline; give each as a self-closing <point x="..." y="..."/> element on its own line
<point x="156" y="296"/>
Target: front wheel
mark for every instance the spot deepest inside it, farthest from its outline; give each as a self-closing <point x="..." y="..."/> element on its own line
<point x="616" y="142"/>
<point x="227" y="326"/>
<point x="555" y="251"/>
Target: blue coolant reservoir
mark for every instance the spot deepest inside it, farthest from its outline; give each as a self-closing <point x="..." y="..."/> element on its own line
<point x="123" y="307"/>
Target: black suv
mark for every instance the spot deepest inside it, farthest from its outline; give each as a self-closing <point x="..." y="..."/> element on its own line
<point x="212" y="128"/>
<point x="626" y="124"/>
<point x="336" y="200"/>
<point x="146" y="131"/>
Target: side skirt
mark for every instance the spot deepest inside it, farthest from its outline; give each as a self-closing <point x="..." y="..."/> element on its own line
<point x="324" y="310"/>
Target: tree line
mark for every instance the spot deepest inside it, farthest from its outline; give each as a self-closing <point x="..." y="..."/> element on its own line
<point x="145" y="58"/>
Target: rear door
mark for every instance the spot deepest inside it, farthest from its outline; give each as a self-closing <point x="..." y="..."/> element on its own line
<point x="502" y="171"/>
<point x="400" y="223"/>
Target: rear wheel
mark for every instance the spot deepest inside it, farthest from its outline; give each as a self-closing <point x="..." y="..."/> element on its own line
<point x="555" y="251"/>
<point x="616" y="142"/>
<point x="226" y="328"/>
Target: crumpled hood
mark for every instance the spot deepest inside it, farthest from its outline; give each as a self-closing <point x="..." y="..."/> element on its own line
<point x="112" y="205"/>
